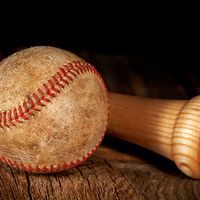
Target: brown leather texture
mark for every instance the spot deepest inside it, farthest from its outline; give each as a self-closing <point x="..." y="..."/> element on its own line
<point x="61" y="129"/>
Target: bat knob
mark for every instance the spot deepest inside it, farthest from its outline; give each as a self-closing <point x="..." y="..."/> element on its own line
<point x="186" y="138"/>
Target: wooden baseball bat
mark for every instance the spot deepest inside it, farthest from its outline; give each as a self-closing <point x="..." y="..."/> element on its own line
<point x="168" y="127"/>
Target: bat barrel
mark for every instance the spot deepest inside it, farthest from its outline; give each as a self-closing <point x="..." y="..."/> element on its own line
<point x="168" y="127"/>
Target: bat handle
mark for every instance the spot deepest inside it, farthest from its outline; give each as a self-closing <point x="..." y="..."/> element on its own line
<point x="168" y="127"/>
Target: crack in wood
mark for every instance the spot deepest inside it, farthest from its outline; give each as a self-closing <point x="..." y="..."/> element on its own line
<point x="12" y="193"/>
<point x="134" y="189"/>
<point x="3" y="191"/>
<point x="28" y="185"/>
<point x="50" y="183"/>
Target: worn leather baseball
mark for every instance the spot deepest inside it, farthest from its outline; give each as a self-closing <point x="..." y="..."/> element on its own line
<point x="53" y="110"/>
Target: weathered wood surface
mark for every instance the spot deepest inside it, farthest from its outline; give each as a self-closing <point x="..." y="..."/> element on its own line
<point x="118" y="169"/>
<point x="106" y="175"/>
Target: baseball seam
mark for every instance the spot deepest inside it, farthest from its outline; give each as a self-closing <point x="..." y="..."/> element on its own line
<point x="40" y="98"/>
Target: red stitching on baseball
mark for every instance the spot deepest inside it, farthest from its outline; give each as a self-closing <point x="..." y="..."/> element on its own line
<point x="23" y="167"/>
<point x="69" y="77"/>
<point x="30" y="169"/>
<point x="38" y="100"/>
<point x="57" y="82"/>
<point x="10" y="118"/>
<point x="33" y="104"/>
<point x="59" y="168"/>
<point x="22" y="113"/>
<point x="16" y="164"/>
<point x="4" y="160"/>
<point x="65" y="166"/>
<point x="38" y="169"/>
<point x="61" y="78"/>
<point x="45" y="169"/>
<point x="76" y="70"/>
<point x="52" y="168"/>
<point x="48" y="91"/>
<point x="16" y="117"/>
<point x="5" y="119"/>
<point x="51" y="83"/>
<point x="82" y="66"/>
<point x="27" y="110"/>
<point x="43" y="95"/>
<point x="9" y="161"/>
<point x="1" y="119"/>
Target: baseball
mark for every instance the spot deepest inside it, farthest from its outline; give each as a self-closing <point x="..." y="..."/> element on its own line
<point x="53" y="110"/>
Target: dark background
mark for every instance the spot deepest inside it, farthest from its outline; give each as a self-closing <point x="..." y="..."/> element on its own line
<point x="123" y="46"/>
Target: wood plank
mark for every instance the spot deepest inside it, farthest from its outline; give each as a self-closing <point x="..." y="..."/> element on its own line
<point x="108" y="174"/>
